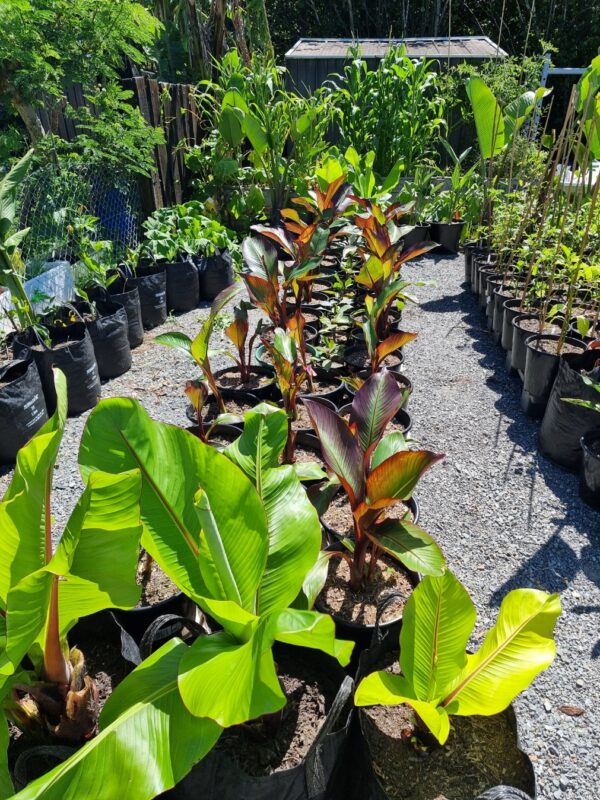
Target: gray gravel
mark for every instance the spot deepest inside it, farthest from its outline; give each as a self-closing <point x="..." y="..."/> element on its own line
<point x="504" y="515"/>
<point x="507" y="517"/>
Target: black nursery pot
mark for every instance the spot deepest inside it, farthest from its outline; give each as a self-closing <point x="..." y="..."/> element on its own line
<point x="72" y="352"/>
<point x="564" y="424"/>
<point x="499" y="297"/>
<point x="265" y="391"/>
<point x="183" y="286"/>
<point x="151" y="283"/>
<point x="215" y="273"/>
<point x="357" y="358"/>
<point x="129" y="298"/>
<point x="447" y="235"/>
<point x="420" y="233"/>
<point x="590" y="469"/>
<point x="518" y="351"/>
<point x="217" y="775"/>
<point x="110" y="337"/>
<point x="541" y="368"/>
<point x="22" y="407"/>
<point x="511" y="309"/>
<point x="335" y="396"/>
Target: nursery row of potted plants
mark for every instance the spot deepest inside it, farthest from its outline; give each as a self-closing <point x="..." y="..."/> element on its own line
<point x="557" y="360"/>
<point x="295" y="631"/>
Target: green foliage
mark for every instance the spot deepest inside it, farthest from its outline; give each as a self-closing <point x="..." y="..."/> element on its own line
<point x="223" y="537"/>
<point x="44" y="589"/>
<point x="49" y="43"/>
<point x="11" y="267"/>
<point x="185" y="230"/>
<point x="396" y="110"/>
<point x="147" y="739"/>
<point x="439" y="678"/>
<point x="114" y="134"/>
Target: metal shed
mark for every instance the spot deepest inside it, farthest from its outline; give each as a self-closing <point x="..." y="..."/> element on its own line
<point x="311" y="61"/>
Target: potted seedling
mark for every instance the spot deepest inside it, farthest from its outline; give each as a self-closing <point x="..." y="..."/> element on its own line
<point x="378" y="475"/>
<point x="449" y="704"/>
<point x="590" y="449"/>
<point x="238" y="535"/>
<point x="449" y="203"/>
<point x="47" y="585"/>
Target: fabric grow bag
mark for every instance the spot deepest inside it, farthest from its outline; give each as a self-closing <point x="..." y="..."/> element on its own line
<point x="564" y="423"/>
<point x="129" y="298"/>
<point x="183" y="293"/>
<point x="22" y="407"/>
<point x="151" y="283"/>
<point x="217" y="776"/>
<point x="110" y="337"/>
<point x="215" y="273"/>
<point x="72" y="352"/>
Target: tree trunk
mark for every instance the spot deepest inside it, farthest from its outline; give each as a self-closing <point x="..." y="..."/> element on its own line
<point x="35" y="129"/>
<point x="217" y="28"/>
<point x="240" y="33"/>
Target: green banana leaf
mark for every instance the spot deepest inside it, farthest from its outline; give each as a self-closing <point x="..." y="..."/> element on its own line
<point x="439" y="678"/>
<point x="23" y="508"/>
<point x="147" y="743"/>
<point x="294" y="528"/>
<point x="436" y="626"/>
<point x="120" y="435"/>
<point x="489" y="120"/>
<point x="517" y="648"/>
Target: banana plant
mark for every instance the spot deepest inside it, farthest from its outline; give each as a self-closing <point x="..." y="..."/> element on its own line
<point x="290" y="374"/>
<point x="377" y="472"/>
<point x="378" y="349"/>
<point x="440" y="678"/>
<point x="237" y="333"/>
<point x="147" y="740"/>
<point x="198" y="348"/>
<point x="382" y="250"/>
<point x="496" y="127"/>
<point x="46" y="588"/>
<point x="228" y="542"/>
<point x="10" y="262"/>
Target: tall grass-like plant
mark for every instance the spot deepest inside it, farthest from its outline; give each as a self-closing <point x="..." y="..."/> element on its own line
<point x="396" y="110"/>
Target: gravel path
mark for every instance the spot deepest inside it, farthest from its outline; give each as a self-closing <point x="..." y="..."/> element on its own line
<point x="504" y="515"/>
<point x="507" y="517"/>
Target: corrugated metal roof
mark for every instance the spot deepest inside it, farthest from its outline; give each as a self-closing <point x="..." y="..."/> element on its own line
<point x="455" y="48"/>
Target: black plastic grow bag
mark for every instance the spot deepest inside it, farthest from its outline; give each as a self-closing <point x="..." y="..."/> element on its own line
<point x="183" y="293"/>
<point x="215" y="273"/>
<point x="217" y="776"/>
<point x="151" y="283"/>
<point x="22" y="407"/>
<point x="72" y="352"/>
<point x="565" y="423"/>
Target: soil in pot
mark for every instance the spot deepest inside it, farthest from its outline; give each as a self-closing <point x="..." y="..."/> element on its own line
<point x="361" y="607"/>
<point x="233" y="406"/>
<point x="481" y="753"/>
<point x="230" y="379"/>
<point x="281" y="741"/>
<point x="358" y="358"/>
<point x="550" y="345"/>
<point x="156" y="586"/>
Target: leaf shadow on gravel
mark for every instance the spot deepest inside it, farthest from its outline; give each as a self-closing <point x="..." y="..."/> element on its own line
<point x="555" y="564"/>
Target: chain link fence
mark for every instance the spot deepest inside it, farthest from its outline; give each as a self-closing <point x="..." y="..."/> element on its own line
<point x="61" y="203"/>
